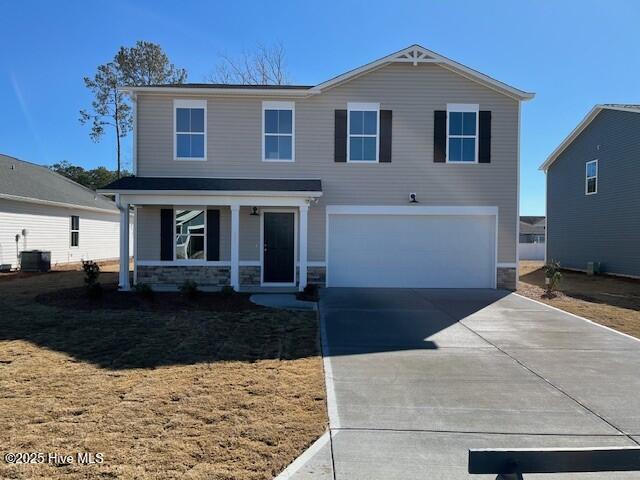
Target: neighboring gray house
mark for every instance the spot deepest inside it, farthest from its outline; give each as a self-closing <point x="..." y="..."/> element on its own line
<point x="41" y="210"/>
<point x="593" y="194"/>
<point x="400" y="173"/>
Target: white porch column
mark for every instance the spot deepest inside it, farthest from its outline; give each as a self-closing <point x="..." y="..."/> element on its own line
<point x="123" y="282"/>
<point x="304" y="209"/>
<point x="235" y="246"/>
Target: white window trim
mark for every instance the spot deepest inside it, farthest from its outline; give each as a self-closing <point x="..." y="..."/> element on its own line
<point x="280" y="106"/>
<point x="587" y="177"/>
<point x="189" y="104"/>
<point x="188" y="261"/>
<point x="71" y="231"/>
<point x="363" y="107"/>
<point x="464" y="107"/>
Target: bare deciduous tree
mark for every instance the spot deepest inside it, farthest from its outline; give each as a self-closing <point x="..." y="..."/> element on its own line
<point x="143" y="64"/>
<point x="265" y="66"/>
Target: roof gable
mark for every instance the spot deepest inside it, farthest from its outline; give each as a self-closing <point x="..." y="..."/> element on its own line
<point x="416" y="54"/>
<point x="586" y="121"/>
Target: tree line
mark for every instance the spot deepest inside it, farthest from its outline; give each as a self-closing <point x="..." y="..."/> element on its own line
<point x="146" y="64"/>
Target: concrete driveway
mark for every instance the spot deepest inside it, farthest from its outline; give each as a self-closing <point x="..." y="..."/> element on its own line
<point x="417" y="377"/>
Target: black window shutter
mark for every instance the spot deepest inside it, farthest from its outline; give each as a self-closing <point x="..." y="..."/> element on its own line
<point x="213" y="235"/>
<point x="386" y="121"/>
<point x="440" y="136"/>
<point x="484" y="137"/>
<point x="166" y="234"/>
<point x="340" y="141"/>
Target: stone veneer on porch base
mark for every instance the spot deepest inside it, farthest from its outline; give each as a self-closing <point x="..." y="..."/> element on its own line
<point x="507" y="278"/>
<point x="250" y="275"/>
<point x="204" y="275"/>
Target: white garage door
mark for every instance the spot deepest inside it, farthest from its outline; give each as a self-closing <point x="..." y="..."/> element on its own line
<point x="421" y="251"/>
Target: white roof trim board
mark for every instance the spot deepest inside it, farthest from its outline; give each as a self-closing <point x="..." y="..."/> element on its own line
<point x="414" y="54"/>
<point x="586" y="121"/>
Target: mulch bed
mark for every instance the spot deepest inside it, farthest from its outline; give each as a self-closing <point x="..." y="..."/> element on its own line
<point x="112" y="299"/>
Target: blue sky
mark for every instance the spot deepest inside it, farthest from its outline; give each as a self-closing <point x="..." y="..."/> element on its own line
<point x="572" y="54"/>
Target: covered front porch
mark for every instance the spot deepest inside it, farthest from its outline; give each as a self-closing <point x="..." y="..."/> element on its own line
<point x="249" y="234"/>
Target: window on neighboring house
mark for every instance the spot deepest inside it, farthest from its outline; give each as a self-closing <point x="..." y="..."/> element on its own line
<point x="462" y="133"/>
<point x="362" y="125"/>
<point x="591" y="180"/>
<point x="74" y="229"/>
<point x="190" y="234"/>
<point x="278" y="131"/>
<point x="190" y="130"/>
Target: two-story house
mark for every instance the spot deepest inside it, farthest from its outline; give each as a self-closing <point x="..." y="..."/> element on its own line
<point x="593" y="195"/>
<point x="400" y="173"/>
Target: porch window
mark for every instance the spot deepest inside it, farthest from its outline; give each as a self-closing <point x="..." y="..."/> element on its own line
<point x="190" y="130"/>
<point x="190" y="234"/>
<point x="462" y="133"/>
<point x="278" y="131"/>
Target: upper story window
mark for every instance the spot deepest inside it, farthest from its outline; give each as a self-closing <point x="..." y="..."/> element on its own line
<point x="74" y="230"/>
<point x="278" y="122"/>
<point x="462" y="133"/>
<point x="190" y="129"/>
<point x="363" y="120"/>
<point x="190" y="234"/>
<point x="591" y="178"/>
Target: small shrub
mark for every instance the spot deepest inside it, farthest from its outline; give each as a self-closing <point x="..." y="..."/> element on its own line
<point x="552" y="277"/>
<point x="144" y="290"/>
<point x="91" y="273"/>
<point x="227" y="291"/>
<point x="190" y="289"/>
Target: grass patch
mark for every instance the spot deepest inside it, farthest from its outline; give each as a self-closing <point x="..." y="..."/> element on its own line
<point x="173" y="392"/>
<point x="610" y="301"/>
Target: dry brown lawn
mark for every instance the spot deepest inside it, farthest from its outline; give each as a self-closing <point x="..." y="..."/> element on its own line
<point x="177" y="394"/>
<point x="610" y="301"/>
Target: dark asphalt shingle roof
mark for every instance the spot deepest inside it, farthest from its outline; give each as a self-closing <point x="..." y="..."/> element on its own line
<point x="622" y="105"/>
<point x="236" y="85"/>
<point x="23" y="179"/>
<point x="215" y="184"/>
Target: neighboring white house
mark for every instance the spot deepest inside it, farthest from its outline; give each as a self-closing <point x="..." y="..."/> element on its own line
<point x="41" y="210"/>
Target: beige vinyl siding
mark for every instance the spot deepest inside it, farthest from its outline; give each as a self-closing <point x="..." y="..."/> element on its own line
<point x="249" y="235"/>
<point x="48" y="228"/>
<point x="148" y="233"/>
<point x="234" y="145"/>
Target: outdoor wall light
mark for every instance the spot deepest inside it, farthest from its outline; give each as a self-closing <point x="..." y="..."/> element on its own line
<point x="254" y="212"/>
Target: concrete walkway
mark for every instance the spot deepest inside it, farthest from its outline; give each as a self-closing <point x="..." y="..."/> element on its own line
<point x="417" y="377"/>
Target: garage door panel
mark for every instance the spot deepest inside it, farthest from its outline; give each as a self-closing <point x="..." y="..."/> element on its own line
<point x="428" y="251"/>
